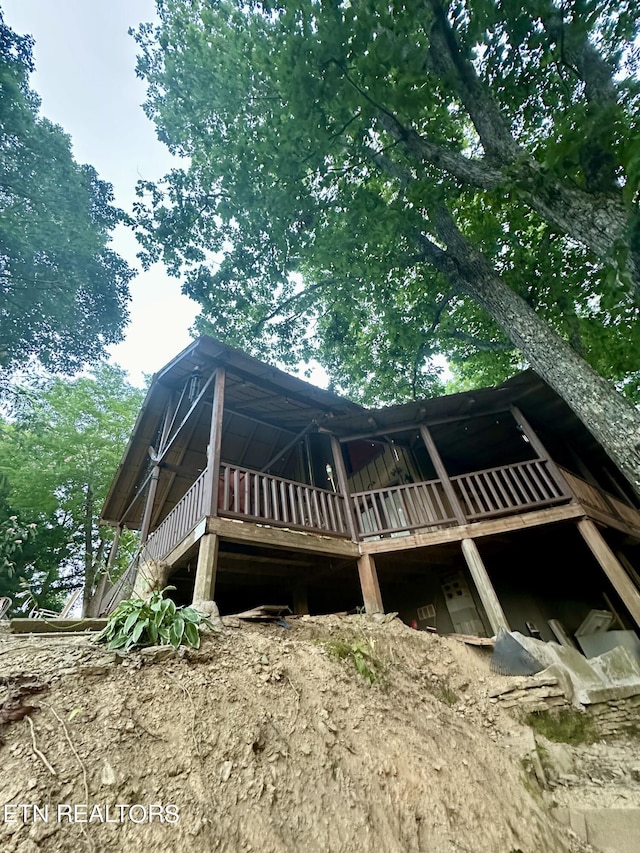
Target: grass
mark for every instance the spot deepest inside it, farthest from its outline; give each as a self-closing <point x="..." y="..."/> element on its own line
<point x="565" y="726"/>
<point x="443" y="693"/>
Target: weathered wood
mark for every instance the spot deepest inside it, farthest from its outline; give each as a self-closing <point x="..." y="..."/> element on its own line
<point x="55" y="626"/>
<point x="611" y="566"/>
<point x="441" y="471"/>
<point x="416" y="501"/>
<point x="369" y="584"/>
<point x="300" y="600"/>
<point x="171" y="441"/>
<point x="483" y="584"/>
<point x="215" y="443"/>
<point x="475" y="530"/>
<point x="407" y="426"/>
<point x="540" y="449"/>
<point x="508" y="488"/>
<point x="253" y="495"/>
<point x="182" y="518"/>
<point x="343" y="485"/>
<point x="231" y="530"/>
<point x="148" y="507"/>
<point x="204" y="587"/>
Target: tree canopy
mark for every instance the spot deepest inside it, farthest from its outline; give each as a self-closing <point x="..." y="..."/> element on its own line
<point x="58" y="455"/>
<point x="63" y="291"/>
<point x="388" y="181"/>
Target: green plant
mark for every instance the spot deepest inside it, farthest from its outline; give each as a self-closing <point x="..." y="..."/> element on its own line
<point x="155" y="621"/>
<point x="444" y="693"/>
<point x="565" y="726"/>
<point x="361" y="654"/>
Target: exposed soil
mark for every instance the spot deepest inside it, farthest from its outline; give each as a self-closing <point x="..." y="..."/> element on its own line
<point x="265" y="740"/>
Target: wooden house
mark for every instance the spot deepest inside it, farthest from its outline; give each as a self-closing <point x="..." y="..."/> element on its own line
<point x="464" y="513"/>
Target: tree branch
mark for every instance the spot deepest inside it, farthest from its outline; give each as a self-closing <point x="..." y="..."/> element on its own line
<point x="447" y="60"/>
<point x="476" y="173"/>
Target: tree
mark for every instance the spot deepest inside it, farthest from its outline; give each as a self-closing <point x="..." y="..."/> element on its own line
<point x="401" y="179"/>
<point x="63" y="291"/>
<point x="58" y="456"/>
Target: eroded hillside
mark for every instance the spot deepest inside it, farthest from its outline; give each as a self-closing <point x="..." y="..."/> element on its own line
<point x="268" y="739"/>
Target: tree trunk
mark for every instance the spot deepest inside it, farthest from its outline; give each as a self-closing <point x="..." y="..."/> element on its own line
<point x="610" y="418"/>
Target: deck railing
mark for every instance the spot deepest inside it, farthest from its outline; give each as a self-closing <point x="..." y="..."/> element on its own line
<point x="253" y="495"/>
<point x="180" y="521"/>
<point x="507" y="488"/>
<point x="595" y="498"/>
<point x="244" y="493"/>
<point x="399" y="508"/>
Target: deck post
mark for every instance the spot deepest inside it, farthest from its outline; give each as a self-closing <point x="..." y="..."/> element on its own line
<point x="481" y="579"/>
<point x="441" y="471"/>
<point x="300" y="600"/>
<point x="541" y="450"/>
<point x="369" y="584"/>
<point x="148" y="507"/>
<point x="611" y="566"/>
<point x="215" y="443"/>
<point x="206" y="569"/>
<point x="343" y="485"/>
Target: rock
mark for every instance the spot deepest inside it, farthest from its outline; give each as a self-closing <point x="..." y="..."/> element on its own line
<point x="108" y="775"/>
<point x="157" y="653"/>
<point x="210" y="610"/>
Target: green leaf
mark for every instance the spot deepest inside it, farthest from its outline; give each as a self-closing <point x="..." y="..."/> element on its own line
<point x="192" y="635"/>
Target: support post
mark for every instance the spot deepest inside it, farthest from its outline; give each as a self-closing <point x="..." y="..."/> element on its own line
<point x="611" y="566"/>
<point x="206" y="569"/>
<point x="215" y="443"/>
<point x="148" y="507"/>
<point x="343" y="485"/>
<point x="487" y="593"/>
<point x="541" y="450"/>
<point x="369" y="584"/>
<point x="300" y="600"/>
<point x="441" y="471"/>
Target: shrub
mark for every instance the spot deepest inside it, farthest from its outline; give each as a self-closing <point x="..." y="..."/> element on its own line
<point x="155" y="621"/>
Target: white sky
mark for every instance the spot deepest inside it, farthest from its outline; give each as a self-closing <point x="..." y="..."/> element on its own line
<point x="85" y="75"/>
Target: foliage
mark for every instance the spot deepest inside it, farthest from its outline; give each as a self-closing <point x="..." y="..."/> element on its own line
<point x="155" y="621"/>
<point x="63" y="291"/>
<point x="361" y="653"/>
<point x="361" y="169"/>
<point x="58" y="455"/>
<point x="565" y="726"/>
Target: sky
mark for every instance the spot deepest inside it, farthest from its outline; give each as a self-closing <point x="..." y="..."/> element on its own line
<point x="85" y="76"/>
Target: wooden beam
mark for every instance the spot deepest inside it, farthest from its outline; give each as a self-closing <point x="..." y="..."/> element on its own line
<point x="215" y="443"/>
<point x="288" y="446"/>
<point x="148" y="507"/>
<point x="441" y="471"/>
<point x="415" y="425"/>
<point x="300" y="600"/>
<point x="475" y="530"/>
<point x="541" y="450"/>
<point x="281" y="537"/>
<point x="612" y="567"/>
<point x="169" y="444"/>
<point x="483" y="584"/>
<point x="369" y="584"/>
<point x="343" y="485"/>
<point x="204" y="587"/>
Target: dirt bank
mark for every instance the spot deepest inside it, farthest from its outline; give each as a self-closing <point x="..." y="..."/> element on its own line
<point x="265" y="739"/>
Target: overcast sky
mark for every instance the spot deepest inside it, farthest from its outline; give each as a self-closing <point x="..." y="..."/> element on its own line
<point x="85" y="75"/>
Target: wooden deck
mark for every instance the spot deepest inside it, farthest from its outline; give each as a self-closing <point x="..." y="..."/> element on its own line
<point x="507" y="490"/>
